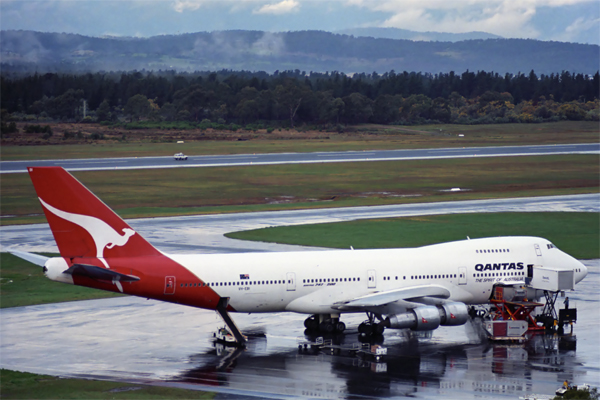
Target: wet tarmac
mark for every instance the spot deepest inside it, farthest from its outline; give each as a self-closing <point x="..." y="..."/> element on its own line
<point x="143" y="341"/>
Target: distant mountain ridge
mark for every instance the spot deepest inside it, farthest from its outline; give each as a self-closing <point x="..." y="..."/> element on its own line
<point x="29" y="51"/>
<point x="405" y="34"/>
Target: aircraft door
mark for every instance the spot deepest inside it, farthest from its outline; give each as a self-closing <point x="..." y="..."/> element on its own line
<point x="538" y="251"/>
<point x="170" y="284"/>
<point x="462" y="275"/>
<point x="291" y="281"/>
<point x="371" y="279"/>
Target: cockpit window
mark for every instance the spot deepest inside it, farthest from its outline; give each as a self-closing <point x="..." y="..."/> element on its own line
<point x="551" y="246"/>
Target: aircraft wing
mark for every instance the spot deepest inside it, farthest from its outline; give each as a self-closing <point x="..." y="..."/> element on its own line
<point x="417" y="294"/>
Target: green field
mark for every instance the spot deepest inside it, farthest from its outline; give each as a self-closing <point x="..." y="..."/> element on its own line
<point x="184" y="191"/>
<point x="24" y="284"/>
<point x="23" y="385"/>
<point x="575" y="233"/>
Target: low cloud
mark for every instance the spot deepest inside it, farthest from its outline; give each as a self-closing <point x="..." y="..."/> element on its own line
<point x="265" y="6"/>
<point x="187" y="5"/>
<point x="283" y="7"/>
<point x="586" y="30"/>
<point x="507" y="18"/>
<point x="269" y="44"/>
<point x="582" y="24"/>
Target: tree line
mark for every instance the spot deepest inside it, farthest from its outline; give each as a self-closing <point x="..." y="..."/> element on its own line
<point x="295" y="97"/>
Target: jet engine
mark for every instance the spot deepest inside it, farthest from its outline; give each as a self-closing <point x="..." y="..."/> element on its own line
<point x="426" y="318"/>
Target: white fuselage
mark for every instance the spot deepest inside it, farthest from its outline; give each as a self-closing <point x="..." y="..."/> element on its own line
<point x="313" y="282"/>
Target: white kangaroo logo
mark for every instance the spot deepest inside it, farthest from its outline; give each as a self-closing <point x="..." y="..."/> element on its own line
<point x="102" y="233"/>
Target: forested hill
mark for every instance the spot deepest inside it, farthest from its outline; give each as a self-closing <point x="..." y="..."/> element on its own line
<point x="318" y="51"/>
<point x="395" y="33"/>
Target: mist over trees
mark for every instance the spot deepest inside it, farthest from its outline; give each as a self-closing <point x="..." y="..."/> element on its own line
<point x="29" y="51"/>
<point x="292" y="98"/>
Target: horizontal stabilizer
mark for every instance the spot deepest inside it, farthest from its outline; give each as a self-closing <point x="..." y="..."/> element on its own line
<point x="31" y="257"/>
<point x="98" y="273"/>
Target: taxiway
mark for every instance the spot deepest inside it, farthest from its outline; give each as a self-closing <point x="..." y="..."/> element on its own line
<point x="204" y="233"/>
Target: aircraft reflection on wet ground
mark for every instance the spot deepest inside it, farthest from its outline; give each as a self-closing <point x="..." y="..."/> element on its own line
<point x="447" y="362"/>
<point x="416" y="365"/>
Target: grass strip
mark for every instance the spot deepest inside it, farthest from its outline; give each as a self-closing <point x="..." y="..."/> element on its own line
<point x="24" y="284"/>
<point x="575" y="233"/>
<point x="24" y="385"/>
<point x="357" y="138"/>
<point x="146" y="193"/>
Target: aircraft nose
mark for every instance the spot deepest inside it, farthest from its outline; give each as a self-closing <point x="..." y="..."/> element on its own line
<point x="583" y="271"/>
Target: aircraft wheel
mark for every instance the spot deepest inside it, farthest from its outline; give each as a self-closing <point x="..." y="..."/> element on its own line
<point x="326" y="326"/>
<point x="340" y="327"/>
<point x="311" y="324"/>
<point x="366" y="329"/>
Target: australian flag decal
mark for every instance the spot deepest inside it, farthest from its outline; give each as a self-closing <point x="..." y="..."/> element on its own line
<point x="244" y="276"/>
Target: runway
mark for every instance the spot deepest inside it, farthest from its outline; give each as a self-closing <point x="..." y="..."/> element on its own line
<point x="137" y="341"/>
<point x="97" y="164"/>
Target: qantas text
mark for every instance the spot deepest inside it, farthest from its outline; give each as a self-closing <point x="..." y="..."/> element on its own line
<point x="498" y="266"/>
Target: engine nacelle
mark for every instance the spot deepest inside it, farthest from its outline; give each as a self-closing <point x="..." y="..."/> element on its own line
<point x="427" y="318"/>
<point x="454" y="313"/>
<point x="54" y="269"/>
<point x="423" y="318"/>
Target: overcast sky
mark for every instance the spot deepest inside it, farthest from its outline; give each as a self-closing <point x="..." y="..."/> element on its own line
<point x="560" y="20"/>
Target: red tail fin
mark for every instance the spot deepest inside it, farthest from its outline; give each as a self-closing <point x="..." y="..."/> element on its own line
<point x="82" y="225"/>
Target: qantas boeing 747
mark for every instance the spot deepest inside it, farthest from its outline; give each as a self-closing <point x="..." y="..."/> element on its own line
<point x="415" y="288"/>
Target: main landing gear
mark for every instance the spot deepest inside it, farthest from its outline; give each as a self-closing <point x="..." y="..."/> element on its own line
<point x="326" y="323"/>
<point x="330" y="323"/>
<point x="370" y="327"/>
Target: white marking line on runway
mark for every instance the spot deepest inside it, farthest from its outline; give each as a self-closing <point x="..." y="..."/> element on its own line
<point x="93" y="162"/>
<point x="350" y="154"/>
<point x="556" y="146"/>
<point x="454" y="151"/>
<point x="225" y="157"/>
